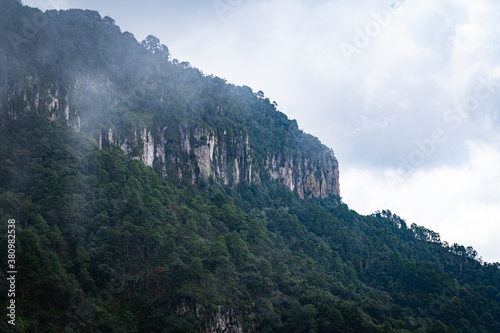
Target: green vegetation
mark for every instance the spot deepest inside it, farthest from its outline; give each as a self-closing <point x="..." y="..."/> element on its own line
<point x="112" y="81"/>
<point x="105" y="245"/>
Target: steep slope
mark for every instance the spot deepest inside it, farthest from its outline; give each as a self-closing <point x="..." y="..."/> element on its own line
<point x="232" y="229"/>
<point x="79" y="68"/>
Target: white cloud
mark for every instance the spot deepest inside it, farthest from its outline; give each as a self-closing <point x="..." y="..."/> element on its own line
<point x="460" y="202"/>
<point x="419" y="72"/>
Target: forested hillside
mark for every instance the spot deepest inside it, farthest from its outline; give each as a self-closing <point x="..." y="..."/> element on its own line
<point x="108" y="242"/>
<point x="188" y="126"/>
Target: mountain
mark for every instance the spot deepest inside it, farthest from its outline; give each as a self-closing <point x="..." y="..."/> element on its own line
<point x="103" y="83"/>
<point x="146" y="196"/>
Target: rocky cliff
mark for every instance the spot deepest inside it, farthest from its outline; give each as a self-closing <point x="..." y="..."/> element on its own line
<point x="193" y="152"/>
<point x="210" y="133"/>
<point x="224" y="319"/>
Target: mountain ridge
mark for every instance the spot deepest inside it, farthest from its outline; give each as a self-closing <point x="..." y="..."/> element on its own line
<point x="224" y="151"/>
<point x="104" y="243"/>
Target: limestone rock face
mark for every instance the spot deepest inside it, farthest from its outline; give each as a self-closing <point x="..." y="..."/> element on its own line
<point x="205" y="155"/>
<point x="224" y="319"/>
<point x="188" y="151"/>
<point x="310" y="178"/>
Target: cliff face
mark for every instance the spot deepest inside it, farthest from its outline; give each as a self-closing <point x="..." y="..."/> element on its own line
<point x="194" y="152"/>
<point x="171" y="117"/>
<point x="310" y="178"/>
<point x="224" y="319"/>
<point x="204" y="154"/>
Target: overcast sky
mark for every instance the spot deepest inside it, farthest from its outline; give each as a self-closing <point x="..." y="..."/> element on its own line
<point x="405" y="92"/>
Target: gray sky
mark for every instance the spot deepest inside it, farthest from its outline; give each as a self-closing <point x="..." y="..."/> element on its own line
<point x="406" y="93"/>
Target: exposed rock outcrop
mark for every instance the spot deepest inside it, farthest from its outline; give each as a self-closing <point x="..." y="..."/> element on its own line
<point x="224" y="319"/>
<point x="205" y="155"/>
<point x="188" y="151"/>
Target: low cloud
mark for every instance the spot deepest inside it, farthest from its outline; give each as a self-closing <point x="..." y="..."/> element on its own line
<point x="459" y="202"/>
<point x="415" y="68"/>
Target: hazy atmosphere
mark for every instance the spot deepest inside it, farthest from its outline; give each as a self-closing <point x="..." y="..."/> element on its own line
<point x="405" y="92"/>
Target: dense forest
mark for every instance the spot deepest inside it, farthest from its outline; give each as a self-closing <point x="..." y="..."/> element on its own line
<point x="105" y="243"/>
